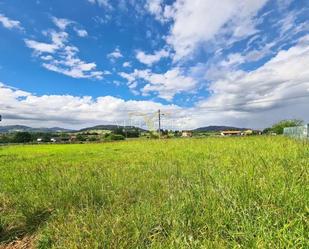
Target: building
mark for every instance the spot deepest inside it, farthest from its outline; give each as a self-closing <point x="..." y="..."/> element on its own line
<point x="231" y="133"/>
<point x="300" y="132"/>
<point x="186" y="134"/>
<point x="55" y="140"/>
<point x="73" y="138"/>
<point x="247" y="132"/>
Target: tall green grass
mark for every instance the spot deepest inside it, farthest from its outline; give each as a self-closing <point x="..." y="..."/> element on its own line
<point x="185" y="193"/>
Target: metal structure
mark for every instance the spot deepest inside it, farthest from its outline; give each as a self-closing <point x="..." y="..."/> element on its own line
<point x="151" y="119"/>
<point x="299" y="132"/>
<point x="147" y="117"/>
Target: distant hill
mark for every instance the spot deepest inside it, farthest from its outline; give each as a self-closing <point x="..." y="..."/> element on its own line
<point x="110" y="128"/>
<point x="22" y="128"/>
<point x="19" y="128"/>
<point x="219" y="128"/>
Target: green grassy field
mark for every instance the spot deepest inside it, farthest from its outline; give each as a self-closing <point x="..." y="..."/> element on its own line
<point x="183" y="193"/>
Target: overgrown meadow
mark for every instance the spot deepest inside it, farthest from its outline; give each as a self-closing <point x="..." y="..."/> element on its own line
<point x="248" y="192"/>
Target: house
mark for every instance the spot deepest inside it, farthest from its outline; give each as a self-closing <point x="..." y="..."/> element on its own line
<point x="73" y="138"/>
<point x="247" y="132"/>
<point x="186" y="134"/>
<point x="231" y="133"/>
<point x="55" y="139"/>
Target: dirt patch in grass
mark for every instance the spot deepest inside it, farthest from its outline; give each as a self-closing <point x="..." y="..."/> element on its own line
<point x="25" y="243"/>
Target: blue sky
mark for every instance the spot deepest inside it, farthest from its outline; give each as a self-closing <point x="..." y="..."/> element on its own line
<point x="86" y="62"/>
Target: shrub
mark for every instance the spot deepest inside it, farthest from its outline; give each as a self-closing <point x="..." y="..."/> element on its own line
<point x="115" y="137"/>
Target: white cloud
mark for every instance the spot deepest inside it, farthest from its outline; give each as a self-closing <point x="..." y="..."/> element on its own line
<point x="198" y="22"/>
<point x="268" y="92"/>
<point x="81" y="32"/>
<point x="41" y="47"/>
<point x="116" y="54"/>
<point x="102" y="3"/>
<point x="61" y="57"/>
<point x="61" y="23"/>
<point x="46" y="57"/>
<point x="277" y="90"/>
<point x="166" y="85"/>
<point x="9" y="23"/>
<point x="20" y="107"/>
<point x="126" y="64"/>
<point x="69" y="64"/>
<point x="150" y="59"/>
<point x="155" y="7"/>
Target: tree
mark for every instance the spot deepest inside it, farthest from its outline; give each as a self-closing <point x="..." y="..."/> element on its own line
<point x="44" y="136"/>
<point x="81" y="137"/>
<point x="279" y="127"/>
<point x="177" y="133"/>
<point x="119" y="131"/>
<point x="134" y="132"/>
<point x="4" y="139"/>
<point x="129" y="132"/>
<point x="22" y="137"/>
<point x="267" y="130"/>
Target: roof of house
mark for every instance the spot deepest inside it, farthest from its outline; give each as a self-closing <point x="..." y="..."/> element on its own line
<point x="231" y="132"/>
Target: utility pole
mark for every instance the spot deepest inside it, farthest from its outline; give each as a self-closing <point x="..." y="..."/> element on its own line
<point x="159" y="116"/>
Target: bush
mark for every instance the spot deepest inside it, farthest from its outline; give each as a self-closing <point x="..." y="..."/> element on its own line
<point x="93" y="139"/>
<point x="114" y="137"/>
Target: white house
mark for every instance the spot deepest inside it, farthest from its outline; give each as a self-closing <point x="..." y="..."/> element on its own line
<point x="186" y="134"/>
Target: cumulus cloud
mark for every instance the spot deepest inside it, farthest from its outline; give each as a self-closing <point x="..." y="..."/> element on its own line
<point x="22" y="107"/>
<point x="165" y="85"/>
<point x="272" y="90"/>
<point x="81" y="32"/>
<point x="277" y="90"/>
<point x="126" y="64"/>
<point x="116" y="54"/>
<point x="9" y="23"/>
<point x="150" y="59"/>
